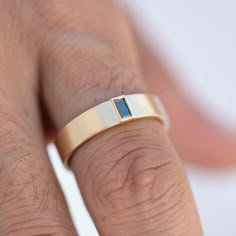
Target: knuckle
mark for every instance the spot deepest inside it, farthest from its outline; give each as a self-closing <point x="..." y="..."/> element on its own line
<point x="26" y="196"/>
<point x="73" y="46"/>
<point x="89" y="66"/>
<point x="38" y="206"/>
<point x="138" y="178"/>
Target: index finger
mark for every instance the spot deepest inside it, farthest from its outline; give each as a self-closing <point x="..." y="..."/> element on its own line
<point x="132" y="180"/>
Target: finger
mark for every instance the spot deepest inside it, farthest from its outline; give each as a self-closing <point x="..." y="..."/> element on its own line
<point x="31" y="202"/>
<point x="193" y="144"/>
<point x="131" y="178"/>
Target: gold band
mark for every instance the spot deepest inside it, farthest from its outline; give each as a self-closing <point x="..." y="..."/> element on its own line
<point x="106" y="115"/>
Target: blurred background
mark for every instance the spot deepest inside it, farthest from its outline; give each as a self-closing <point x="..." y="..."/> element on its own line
<point x="196" y="42"/>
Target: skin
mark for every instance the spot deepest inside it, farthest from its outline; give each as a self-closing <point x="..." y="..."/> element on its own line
<point x="205" y="144"/>
<point x="67" y="56"/>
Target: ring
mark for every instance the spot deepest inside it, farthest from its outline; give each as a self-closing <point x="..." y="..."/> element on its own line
<point x="106" y="115"/>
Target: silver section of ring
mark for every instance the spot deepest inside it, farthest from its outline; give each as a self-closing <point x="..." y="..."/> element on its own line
<point x="105" y="116"/>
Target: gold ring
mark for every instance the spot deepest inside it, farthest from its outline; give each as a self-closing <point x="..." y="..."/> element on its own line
<point x="106" y="115"/>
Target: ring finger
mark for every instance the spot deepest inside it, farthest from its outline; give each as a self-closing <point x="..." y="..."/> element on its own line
<point x="131" y="178"/>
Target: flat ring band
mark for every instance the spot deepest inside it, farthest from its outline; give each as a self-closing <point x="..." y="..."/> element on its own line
<point x="106" y="115"/>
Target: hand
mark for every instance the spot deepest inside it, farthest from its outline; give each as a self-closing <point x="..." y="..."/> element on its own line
<point x="68" y="56"/>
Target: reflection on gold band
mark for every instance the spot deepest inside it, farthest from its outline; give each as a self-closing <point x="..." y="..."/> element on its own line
<point x="105" y="116"/>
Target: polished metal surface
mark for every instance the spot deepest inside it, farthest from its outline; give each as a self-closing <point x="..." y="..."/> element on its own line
<point x="105" y="116"/>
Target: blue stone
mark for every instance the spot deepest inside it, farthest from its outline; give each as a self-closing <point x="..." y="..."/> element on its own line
<point x="122" y="108"/>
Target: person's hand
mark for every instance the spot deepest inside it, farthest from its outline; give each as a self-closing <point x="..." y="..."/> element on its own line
<point x="66" y="56"/>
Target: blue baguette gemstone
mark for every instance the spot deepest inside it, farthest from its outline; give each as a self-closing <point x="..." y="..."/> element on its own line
<point x="122" y="108"/>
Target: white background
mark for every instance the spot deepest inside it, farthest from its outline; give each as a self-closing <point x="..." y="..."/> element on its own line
<point x="198" y="39"/>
